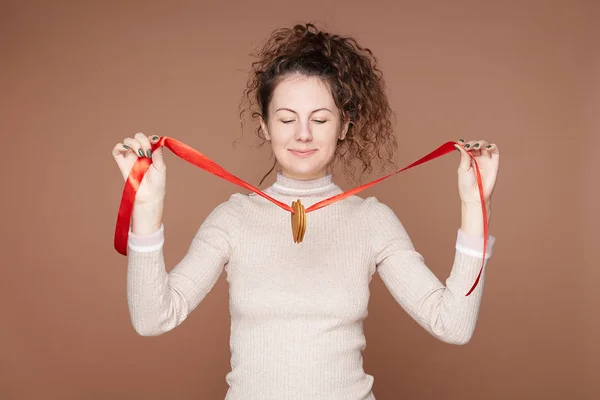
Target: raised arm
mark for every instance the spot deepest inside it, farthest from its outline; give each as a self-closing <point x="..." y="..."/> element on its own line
<point x="160" y="301"/>
<point x="443" y="310"/>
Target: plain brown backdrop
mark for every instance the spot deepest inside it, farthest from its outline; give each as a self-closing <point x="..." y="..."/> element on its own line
<point x="76" y="77"/>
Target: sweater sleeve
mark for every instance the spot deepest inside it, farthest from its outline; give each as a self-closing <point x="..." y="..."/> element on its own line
<point x="160" y="301"/>
<point x="443" y="310"/>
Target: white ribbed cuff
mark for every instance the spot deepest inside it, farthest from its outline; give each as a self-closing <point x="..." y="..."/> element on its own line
<point x="473" y="245"/>
<point x="147" y="243"/>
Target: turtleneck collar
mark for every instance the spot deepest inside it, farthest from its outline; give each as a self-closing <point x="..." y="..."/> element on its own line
<point x="315" y="187"/>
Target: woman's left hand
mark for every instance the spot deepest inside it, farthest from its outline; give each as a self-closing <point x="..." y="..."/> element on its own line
<point x="488" y="157"/>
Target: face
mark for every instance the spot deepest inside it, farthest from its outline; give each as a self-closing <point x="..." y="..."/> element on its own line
<point x="303" y="127"/>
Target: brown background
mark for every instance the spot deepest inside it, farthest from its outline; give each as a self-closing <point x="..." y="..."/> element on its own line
<point x="77" y="77"/>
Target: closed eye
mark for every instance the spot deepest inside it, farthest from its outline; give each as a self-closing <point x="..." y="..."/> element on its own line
<point x="318" y="121"/>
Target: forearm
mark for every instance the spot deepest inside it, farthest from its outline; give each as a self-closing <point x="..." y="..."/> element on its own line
<point x="453" y="316"/>
<point x="160" y="301"/>
<point x="147" y="218"/>
<point x="443" y="310"/>
<point x="472" y="218"/>
<point x="154" y="307"/>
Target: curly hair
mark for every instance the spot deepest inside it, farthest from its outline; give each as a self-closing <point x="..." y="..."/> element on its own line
<point x="354" y="79"/>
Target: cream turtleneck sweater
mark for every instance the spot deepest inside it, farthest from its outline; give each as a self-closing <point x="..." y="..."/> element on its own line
<point x="297" y="310"/>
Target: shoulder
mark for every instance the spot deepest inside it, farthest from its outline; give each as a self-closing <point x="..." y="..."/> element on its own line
<point x="229" y="212"/>
<point x="375" y="214"/>
<point x="235" y="204"/>
<point x="373" y="209"/>
<point x="222" y="225"/>
<point x="384" y="226"/>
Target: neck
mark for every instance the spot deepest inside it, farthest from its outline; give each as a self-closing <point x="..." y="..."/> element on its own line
<point x="318" y="187"/>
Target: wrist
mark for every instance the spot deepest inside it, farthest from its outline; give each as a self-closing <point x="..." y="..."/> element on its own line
<point x="472" y="206"/>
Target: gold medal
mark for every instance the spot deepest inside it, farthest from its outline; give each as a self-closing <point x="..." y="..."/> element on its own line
<point x="298" y="221"/>
<point x="303" y="228"/>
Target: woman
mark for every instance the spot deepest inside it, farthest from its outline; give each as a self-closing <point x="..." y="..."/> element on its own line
<point x="297" y="309"/>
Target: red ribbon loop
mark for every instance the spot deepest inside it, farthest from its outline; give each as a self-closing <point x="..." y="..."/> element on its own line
<point x="200" y="160"/>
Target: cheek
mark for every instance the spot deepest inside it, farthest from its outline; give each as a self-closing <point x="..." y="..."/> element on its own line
<point x="278" y="142"/>
<point x="332" y="137"/>
<point x="279" y="145"/>
<point x="281" y="135"/>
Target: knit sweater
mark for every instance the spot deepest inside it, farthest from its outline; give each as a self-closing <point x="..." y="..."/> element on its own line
<point x="297" y="310"/>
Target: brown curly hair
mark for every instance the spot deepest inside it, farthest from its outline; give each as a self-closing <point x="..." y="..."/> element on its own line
<point x="355" y="81"/>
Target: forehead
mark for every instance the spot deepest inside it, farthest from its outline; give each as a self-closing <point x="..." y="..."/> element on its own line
<point x="300" y="93"/>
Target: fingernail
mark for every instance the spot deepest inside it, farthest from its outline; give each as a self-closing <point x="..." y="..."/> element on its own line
<point x="141" y="152"/>
<point x="461" y="140"/>
<point x="476" y="145"/>
<point x="489" y="146"/>
<point x="154" y="137"/>
<point x="467" y="146"/>
<point x="127" y="147"/>
<point x="149" y="152"/>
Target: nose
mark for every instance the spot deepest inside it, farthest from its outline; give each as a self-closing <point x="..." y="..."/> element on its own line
<point x="303" y="133"/>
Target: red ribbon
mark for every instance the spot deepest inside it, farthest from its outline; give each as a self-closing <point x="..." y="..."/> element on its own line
<point x="200" y="160"/>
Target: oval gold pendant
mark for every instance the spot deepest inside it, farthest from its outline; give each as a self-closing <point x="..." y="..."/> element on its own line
<point x="298" y="221"/>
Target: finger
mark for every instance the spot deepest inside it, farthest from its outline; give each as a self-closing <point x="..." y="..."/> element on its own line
<point x="468" y="145"/>
<point x="124" y="157"/>
<point x="465" y="158"/>
<point x="135" y="146"/>
<point x="479" y="147"/>
<point x="494" y="151"/>
<point x="480" y="144"/>
<point x="492" y="148"/>
<point x="145" y="143"/>
<point x="153" y="138"/>
<point x="157" y="154"/>
<point x="460" y="144"/>
<point x="120" y="149"/>
<point x="482" y="147"/>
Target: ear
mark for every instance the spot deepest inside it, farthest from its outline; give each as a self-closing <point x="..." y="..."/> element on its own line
<point x="263" y="126"/>
<point x="345" y="129"/>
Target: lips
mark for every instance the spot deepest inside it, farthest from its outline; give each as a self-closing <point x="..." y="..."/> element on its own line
<point x="302" y="153"/>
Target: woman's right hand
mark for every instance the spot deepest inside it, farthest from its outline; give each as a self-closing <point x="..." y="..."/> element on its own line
<point x="153" y="186"/>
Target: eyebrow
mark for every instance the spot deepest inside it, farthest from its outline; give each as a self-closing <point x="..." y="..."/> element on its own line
<point x="313" y="111"/>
